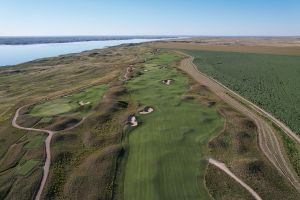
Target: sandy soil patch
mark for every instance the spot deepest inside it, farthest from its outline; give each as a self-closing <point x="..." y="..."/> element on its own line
<point x="167" y="81"/>
<point x="82" y="103"/>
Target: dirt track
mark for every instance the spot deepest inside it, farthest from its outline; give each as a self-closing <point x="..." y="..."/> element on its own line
<point x="223" y="167"/>
<point x="48" y="150"/>
<point x="268" y="141"/>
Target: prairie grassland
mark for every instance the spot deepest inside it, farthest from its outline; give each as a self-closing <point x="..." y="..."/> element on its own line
<point x="251" y="45"/>
<point x="237" y="147"/>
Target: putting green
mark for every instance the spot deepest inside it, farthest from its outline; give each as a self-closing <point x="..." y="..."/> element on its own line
<point x="167" y="152"/>
<point x="70" y="103"/>
<point x="51" y="108"/>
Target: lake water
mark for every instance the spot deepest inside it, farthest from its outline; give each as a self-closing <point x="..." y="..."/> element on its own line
<point x="16" y="54"/>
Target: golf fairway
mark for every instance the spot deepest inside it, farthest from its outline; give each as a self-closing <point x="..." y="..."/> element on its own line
<point x="167" y="151"/>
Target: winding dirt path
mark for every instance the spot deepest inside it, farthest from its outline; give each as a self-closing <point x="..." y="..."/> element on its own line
<point x="47" y="144"/>
<point x="223" y="167"/>
<point x="267" y="138"/>
<point x="48" y="150"/>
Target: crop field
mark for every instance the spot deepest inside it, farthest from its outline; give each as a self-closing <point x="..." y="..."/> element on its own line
<point x="70" y="103"/>
<point x="270" y="81"/>
<point x="167" y="150"/>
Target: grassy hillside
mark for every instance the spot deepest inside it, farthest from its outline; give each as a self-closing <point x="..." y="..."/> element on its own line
<point x="167" y="151"/>
<point x="270" y="81"/>
<point x="78" y="77"/>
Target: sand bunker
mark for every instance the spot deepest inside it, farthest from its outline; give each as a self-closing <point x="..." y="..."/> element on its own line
<point x="146" y="110"/>
<point x="132" y="120"/>
<point x="145" y="70"/>
<point x="167" y="81"/>
<point x="127" y="74"/>
<point x="84" y="103"/>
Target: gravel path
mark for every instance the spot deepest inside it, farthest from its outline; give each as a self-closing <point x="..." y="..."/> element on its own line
<point x="223" y="167"/>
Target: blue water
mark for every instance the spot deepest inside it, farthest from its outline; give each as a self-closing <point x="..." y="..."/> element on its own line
<point x="16" y="54"/>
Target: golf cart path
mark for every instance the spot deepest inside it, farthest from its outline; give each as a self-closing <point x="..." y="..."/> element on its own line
<point x="47" y="144"/>
<point x="267" y="138"/>
<point x="223" y="167"/>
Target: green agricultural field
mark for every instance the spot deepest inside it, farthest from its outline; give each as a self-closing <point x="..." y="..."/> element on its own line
<point x="70" y="103"/>
<point x="26" y="167"/>
<point x="167" y="151"/>
<point x="270" y="81"/>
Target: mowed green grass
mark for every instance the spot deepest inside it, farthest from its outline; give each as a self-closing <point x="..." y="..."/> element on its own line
<point x="26" y="167"/>
<point x="167" y="151"/>
<point x="270" y="81"/>
<point x="35" y="141"/>
<point x="54" y="107"/>
<point x="70" y="103"/>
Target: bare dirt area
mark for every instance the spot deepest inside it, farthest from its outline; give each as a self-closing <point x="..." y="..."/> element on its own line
<point x="279" y="45"/>
<point x="267" y="138"/>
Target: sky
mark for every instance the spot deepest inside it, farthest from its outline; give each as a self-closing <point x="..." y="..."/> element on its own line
<point x="150" y="17"/>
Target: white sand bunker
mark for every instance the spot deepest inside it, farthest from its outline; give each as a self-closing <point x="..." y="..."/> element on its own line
<point x="146" y="110"/>
<point x="167" y="81"/>
<point x="128" y="71"/>
<point x="145" y="70"/>
<point x="82" y="103"/>
<point x="132" y="120"/>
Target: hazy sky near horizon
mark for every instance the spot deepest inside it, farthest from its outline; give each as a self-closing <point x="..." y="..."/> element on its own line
<point x="149" y="17"/>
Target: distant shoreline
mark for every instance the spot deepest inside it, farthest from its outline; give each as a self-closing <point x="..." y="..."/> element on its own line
<point x="11" y="55"/>
<point x="29" y="40"/>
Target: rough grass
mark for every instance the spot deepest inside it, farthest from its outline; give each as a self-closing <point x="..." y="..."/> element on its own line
<point x="82" y="168"/>
<point x="237" y="147"/>
<point x="292" y="149"/>
<point x="221" y="186"/>
<point x="24" y="187"/>
<point x="26" y="167"/>
<point x="167" y="151"/>
<point x="12" y="156"/>
<point x="51" y="78"/>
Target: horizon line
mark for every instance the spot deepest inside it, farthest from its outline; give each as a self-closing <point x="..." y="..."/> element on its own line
<point x="147" y="35"/>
